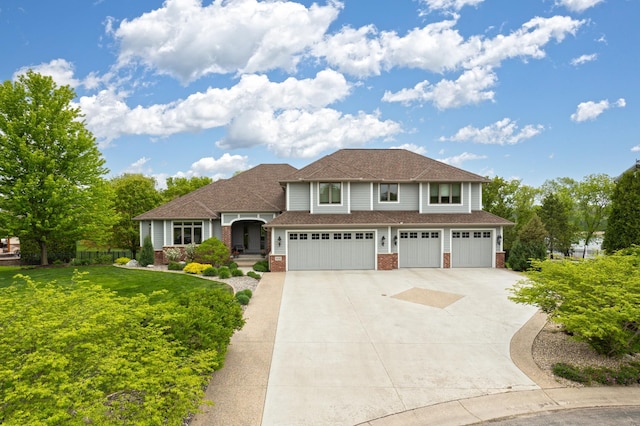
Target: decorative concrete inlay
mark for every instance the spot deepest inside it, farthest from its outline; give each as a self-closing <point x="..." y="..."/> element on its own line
<point x="423" y="296"/>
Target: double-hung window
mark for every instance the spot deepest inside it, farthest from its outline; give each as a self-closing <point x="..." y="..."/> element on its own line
<point x="330" y="193"/>
<point x="388" y="192"/>
<point x="187" y="233"/>
<point x="445" y="193"/>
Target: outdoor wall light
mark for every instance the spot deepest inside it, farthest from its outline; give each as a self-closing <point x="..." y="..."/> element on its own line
<point x="279" y="241"/>
<point x="395" y="240"/>
<point x="499" y="239"/>
<point x="383" y="240"/>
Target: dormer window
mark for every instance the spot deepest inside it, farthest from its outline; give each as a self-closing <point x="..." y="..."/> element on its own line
<point x="388" y="192"/>
<point x="330" y="193"/>
<point x="445" y="193"/>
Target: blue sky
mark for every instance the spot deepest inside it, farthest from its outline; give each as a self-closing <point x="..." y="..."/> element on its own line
<point x="534" y="90"/>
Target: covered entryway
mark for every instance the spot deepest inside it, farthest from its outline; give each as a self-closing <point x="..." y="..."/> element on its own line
<point x="471" y="249"/>
<point x="330" y="250"/>
<point x="248" y="236"/>
<point x="420" y="249"/>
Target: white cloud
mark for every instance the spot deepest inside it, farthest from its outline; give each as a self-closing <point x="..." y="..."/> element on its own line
<point x="470" y="88"/>
<point x="139" y="166"/>
<point x="578" y="5"/>
<point x="186" y="40"/>
<point x="584" y="59"/>
<point x="298" y="133"/>
<point x="411" y="147"/>
<point x="449" y="5"/>
<point x="222" y="167"/>
<point x="59" y="69"/>
<point x="458" y="160"/>
<point x="502" y="132"/>
<point x="591" y="110"/>
<point x="108" y="116"/>
<point x="635" y="148"/>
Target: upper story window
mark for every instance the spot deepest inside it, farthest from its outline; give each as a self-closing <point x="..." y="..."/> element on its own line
<point x="187" y="233"/>
<point x="330" y="193"/>
<point x="388" y="192"/>
<point x="445" y="193"/>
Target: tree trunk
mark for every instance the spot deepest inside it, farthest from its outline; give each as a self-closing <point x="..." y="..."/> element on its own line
<point x="44" y="260"/>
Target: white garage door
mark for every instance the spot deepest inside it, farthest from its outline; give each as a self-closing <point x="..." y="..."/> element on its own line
<point x="420" y="249"/>
<point x="331" y="250"/>
<point x="471" y="249"/>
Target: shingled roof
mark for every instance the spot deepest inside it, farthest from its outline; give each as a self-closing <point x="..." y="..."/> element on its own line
<point x="253" y="190"/>
<point x="394" y="165"/>
<point x="387" y="218"/>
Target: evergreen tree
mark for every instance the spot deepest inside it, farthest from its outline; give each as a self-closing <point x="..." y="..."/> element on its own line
<point x="623" y="228"/>
<point x="147" y="254"/>
<point x="530" y="244"/>
<point x="554" y="213"/>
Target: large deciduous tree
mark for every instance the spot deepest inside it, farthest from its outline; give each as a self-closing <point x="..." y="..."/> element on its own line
<point x="623" y="228"/>
<point x="179" y="186"/>
<point x="593" y="204"/>
<point x="134" y="195"/>
<point x="51" y="185"/>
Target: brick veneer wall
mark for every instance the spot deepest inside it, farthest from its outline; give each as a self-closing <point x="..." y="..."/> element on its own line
<point x="226" y="236"/>
<point x="277" y="263"/>
<point x="158" y="258"/>
<point x="500" y="259"/>
<point x="387" y="262"/>
<point x="446" y="260"/>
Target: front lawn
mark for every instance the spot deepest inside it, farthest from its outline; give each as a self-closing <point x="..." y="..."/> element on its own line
<point x="126" y="282"/>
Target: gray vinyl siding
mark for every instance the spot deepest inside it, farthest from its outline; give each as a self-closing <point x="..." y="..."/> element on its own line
<point x="282" y="233"/>
<point x="216" y="229"/>
<point x="298" y="196"/>
<point x="464" y="207"/>
<point x="408" y="198"/>
<point x="476" y="196"/>
<point x="157" y="237"/>
<point x="360" y="196"/>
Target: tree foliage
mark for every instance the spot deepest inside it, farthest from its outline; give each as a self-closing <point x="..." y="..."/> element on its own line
<point x="511" y="200"/>
<point x="83" y="355"/>
<point x="134" y="195"/>
<point x="147" y="254"/>
<point x="623" y="228"/>
<point x="597" y="300"/>
<point x="212" y="251"/>
<point x="554" y="213"/>
<point x="50" y="167"/>
<point x="179" y="186"/>
<point x="529" y="245"/>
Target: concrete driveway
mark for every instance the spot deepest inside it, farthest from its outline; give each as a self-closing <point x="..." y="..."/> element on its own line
<point x="352" y="346"/>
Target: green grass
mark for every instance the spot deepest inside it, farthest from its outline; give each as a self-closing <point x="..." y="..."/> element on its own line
<point x="126" y="282"/>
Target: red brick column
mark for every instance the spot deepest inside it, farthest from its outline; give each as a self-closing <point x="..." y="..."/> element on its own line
<point x="446" y="260"/>
<point x="226" y="237"/>
<point x="267" y="243"/>
<point x="277" y="263"/>
<point x="500" y="259"/>
<point x="387" y="261"/>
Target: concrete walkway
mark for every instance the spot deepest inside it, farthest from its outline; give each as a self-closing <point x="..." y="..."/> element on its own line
<point x="239" y="390"/>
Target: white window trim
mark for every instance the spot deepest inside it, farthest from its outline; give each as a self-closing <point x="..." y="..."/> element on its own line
<point x="322" y="205"/>
<point x="388" y="202"/>
<point x="462" y="196"/>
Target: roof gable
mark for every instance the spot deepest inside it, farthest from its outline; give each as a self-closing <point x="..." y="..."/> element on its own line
<point x="397" y="165"/>
<point x="253" y="190"/>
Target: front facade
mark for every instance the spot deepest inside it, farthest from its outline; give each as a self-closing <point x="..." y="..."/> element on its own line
<point x="353" y="209"/>
<point x="384" y="209"/>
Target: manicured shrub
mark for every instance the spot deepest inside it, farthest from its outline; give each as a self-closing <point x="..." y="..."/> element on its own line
<point x="232" y="265"/>
<point x="212" y="251"/>
<point x="246" y="291"/>
<point x="146" y="254"/>
<point x="237" y="273"/>
<point x="242" y="299"/>
<point x="254" y="275"/>
<point x="196" y="268"/>
<point x="210" y="272"/>
<point x="626" y="375"/>
<point x="175" y="266"/>
<point x="190" y="252"/>
<point x="104" y="259"/>
<point x="261" y="266"/>
<point x="122" y="261"/>
<point x="224" y="273"/>
<point x="172" y="254"/>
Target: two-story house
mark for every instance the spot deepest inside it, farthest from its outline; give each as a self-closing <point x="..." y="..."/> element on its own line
<point x="353" y="209"/>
